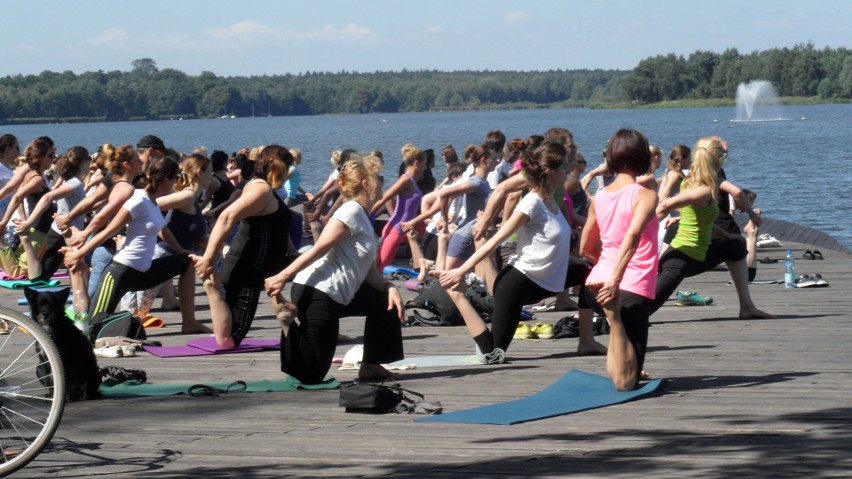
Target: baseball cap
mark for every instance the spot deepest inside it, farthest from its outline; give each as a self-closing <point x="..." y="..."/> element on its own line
<point x="151" y="141"/>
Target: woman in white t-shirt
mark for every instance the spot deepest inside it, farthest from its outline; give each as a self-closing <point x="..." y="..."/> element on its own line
<point x="133" y="267"/>
<point x="539" y="267"/>
<point x="338" y="278"/>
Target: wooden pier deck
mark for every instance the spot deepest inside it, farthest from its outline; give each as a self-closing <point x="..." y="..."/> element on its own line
<point x="744" y="398"/>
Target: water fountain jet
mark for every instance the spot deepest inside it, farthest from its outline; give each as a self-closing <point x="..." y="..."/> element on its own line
<point x="758" y="101"/>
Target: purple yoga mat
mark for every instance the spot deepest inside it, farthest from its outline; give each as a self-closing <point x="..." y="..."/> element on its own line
<point x="207" y="346"/>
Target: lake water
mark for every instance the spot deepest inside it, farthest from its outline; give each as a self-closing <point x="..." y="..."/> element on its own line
<point x="800" y="168"/>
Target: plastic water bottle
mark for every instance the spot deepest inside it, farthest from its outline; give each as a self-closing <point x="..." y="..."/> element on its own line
<point x="790" y="270"/>
<point x="81" y="313"/>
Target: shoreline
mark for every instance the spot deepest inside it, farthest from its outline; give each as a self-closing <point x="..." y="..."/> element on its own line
<point x="684" y="103"/>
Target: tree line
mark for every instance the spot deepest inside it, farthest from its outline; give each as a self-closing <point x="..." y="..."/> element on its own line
<point x="148" y="92"/>
<point x="801" y="71"/>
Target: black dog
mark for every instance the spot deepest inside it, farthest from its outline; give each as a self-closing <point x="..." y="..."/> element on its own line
<point x="82" y="376"/>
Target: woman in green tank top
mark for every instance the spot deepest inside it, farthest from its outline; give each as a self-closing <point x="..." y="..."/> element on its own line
<point x="699" y="245"/>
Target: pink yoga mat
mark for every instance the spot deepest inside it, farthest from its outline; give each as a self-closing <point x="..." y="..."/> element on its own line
<point x="207" y="346"/>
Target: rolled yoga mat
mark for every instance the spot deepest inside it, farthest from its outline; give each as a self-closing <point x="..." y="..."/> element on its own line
<point x="574" y="392"/>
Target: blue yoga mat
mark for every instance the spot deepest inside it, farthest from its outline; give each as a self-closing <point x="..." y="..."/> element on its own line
<point x="574" y="392"/>
<point x="391" y="269"/>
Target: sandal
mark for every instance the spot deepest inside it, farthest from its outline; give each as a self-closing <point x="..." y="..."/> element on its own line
<point x="817" y="255"/>
<point x="808" y="255"/>
<point x="767" y="260"/>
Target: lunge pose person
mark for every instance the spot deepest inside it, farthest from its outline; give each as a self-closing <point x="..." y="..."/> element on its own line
<point x="338" y="278"/>
<point x="261" y="247"/>
<point x="539" y="268"/>
<point x="621" y="284"/>
<point x="700" y="244"/>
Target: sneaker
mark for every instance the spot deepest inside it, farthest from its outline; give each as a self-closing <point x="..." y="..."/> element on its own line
<point x="692" y="298"/>
<point x="523" y="331"/>
<point x="497" y="356"/>
<point x="128" y="350"/>
<point x="542" y="331"/>
<point x="108" y="352"/>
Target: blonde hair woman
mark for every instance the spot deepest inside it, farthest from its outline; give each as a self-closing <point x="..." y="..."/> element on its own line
<point x="699" y="245"/>
<point x="338" y="278"/>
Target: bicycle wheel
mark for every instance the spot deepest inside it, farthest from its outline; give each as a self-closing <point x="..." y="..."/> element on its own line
<point x="32" y="391"/>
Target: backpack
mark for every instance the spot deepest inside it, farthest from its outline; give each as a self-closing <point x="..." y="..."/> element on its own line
<point x="124" y="324"/>
<point x="439" y="307"/>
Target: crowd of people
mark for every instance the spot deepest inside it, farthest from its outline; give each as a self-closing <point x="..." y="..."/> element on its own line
<point x="523" y="217"/>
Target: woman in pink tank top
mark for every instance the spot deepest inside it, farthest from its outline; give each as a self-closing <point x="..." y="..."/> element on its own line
<point x="620" y="237"/>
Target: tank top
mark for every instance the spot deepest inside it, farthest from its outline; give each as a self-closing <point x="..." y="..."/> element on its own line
<point x="695" y="230"/>
<point x="613" y="213"/>
<point x="581" y="202"/>
<point x="32" y="200"/>
<point x="188" y="229"/>
<point x="260" y="245"/>
<point x="225" y="189"/>
<point x="406" y="205"/>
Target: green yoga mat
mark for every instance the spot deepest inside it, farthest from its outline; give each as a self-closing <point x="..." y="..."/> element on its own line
<point x="133" y="389"/>
<point x="22" y="283"/>
<point x="574" y="392"/>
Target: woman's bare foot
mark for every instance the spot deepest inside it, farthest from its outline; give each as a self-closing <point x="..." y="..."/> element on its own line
<point x="592" y="348"/>
<point x="425" y="266"/>
<point x="375" y="371"/>
<point x="285" y="312"/>
<point x="194" y="327"/>
<point x="754" y="314"/>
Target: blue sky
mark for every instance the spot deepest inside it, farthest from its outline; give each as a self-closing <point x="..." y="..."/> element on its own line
<point x="273" y="37"/>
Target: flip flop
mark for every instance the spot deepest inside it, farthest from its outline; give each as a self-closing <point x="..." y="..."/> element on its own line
<point x="808" y="255"/>
<point x="768" y="260"/>
<point x="817" y="255"/>
<point x="152" y="322"/>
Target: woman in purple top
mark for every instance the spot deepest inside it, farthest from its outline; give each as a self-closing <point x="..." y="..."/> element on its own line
<point x="408" y="197"/>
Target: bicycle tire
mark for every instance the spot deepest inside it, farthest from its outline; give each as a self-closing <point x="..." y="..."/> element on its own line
<point x="32" y="397"/>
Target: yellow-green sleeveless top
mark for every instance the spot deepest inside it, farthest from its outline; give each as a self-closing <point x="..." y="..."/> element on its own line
<point x="695" y="230"/>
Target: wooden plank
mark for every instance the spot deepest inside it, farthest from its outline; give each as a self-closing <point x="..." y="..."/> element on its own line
<point x="750" y="398"/>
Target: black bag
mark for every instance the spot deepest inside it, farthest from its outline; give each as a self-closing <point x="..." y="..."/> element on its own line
<point x="119" y="324"/>
<point x="434" y="299"/>
<point x="381" y="398"/>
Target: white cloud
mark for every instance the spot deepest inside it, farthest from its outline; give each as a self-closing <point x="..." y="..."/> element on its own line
<point x="330" y="33"/>
<point x="112" y="37"/>
<point x="245" y="30"/>
<point x="516" y="17"/>
<point x="435" y="29"/>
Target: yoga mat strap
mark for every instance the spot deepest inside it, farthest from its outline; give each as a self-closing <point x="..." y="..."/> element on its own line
<point x="199" y="390"/>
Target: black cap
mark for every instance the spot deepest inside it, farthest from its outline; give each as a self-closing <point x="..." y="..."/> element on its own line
<point x="151" y="141"/>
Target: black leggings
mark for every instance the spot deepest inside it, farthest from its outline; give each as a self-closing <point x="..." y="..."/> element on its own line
<point x="118" y="279"/>
<point x="512" y="290"/>
<point x="52" y="259"/>
<point x="675" y="266"/>
<point x="635" y="316"/>
<point x="242" y="293"/>
<point x="308" y="348"/>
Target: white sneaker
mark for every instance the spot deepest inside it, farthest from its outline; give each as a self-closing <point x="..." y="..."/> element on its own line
<point x="497" y="356"/>
<point x="128" y="350"/>
<point x="109" y="352"/>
